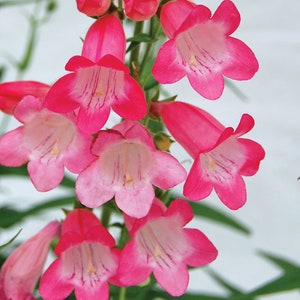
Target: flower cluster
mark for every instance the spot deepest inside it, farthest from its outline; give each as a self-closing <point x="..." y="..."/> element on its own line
<point x="63" y="127"/>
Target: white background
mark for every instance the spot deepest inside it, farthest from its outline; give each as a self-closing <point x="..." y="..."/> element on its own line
<point x="272" y="30"/>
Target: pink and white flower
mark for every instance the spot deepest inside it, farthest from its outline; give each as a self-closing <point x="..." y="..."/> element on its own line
<point x="22" y="269"/>
<point x="201" y="48"/>
<point x="87" y="260"/>
<point x="161" y="244"/>
<point x="47" y="141"/>
<point x="126" y="166"/>
<point x="221" y="156"/>
<point x="99" y="80"/>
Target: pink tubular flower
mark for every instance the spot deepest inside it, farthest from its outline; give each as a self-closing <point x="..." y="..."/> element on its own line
<point x="100" y="80"/>
<point x="86" y="260"/>
<point x="93" y="7"/>
<point x="220" y="156"/>
<point x="48" y="141"/>
<point x="127" y="165"/>
<point x="161" y="245"/>
<point x="12" y="92"/>
<point x="20" y="272"/>
<point x="200" y="46"/>
<point x="140" y="10"/>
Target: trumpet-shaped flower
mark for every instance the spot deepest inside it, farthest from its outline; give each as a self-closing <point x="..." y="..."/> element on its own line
<point x="200" y="47"/>
<point x="12" y="92"/>
<point x="100" y="80"/>
<point x="221" y="156"/>
<point x="160" y="244"/>
<point x="140" y="10"/>
<point x="87" y="260"/>
<point x="20" y="272"/>
<point x="93" y="7"/>
<point x="47" y="141"/>
<point x="126" y="166"/>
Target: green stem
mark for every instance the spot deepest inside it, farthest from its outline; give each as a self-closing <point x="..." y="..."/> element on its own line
<point x="154" y="31"/>
<point x="134" y="55"/>
<point x="122" y="295"/>
<point x="105" y="215"/>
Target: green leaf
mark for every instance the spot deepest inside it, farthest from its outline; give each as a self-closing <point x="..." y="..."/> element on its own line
<point x="142" y="38"/>
<point x="286" y="282"/>
<point x="289" y="280"/>
<point x="186" y="296"/>
<point x="225" y="283"/>
<point x="204" y="211"/>
<point x="10" y="216"/>
<point x="282" y="263"/>
<point x="10" y="241"/>
<point x="2" y="72"/>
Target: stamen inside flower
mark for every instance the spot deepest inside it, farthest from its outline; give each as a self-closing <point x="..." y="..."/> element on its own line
<point x="223" y="162"/>
<point x="48" y="135"/>
<point x="202" y="47"/>
<point x="126" y="163"/>
<point x="162" y="243"/>
<point x="97" y="86"/>
<point x="88" y="264"/>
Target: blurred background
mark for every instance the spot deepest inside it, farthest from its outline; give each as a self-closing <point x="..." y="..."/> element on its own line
<point x="272" y="212"/>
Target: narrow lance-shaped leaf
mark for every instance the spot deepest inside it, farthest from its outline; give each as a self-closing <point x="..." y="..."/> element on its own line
<point x="286" y="282"/>
<point x="11" y="216"/>
<point x="205" y="211"/>
<point x="11" y="240"/>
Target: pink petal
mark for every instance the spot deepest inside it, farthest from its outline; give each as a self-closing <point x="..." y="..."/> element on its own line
<point x="13" y="153"/>
<point x="232" y="193"/>
<point x="92" y="120"/>
<point x="180" y="209"/>
<point x="210" y="86"/>
<point x="254" y="153"/>
<point x="27" y="109"/>
<point x="199" y="15"/>
<point x="99" y="42"/>
<point x="97" y="293"/>
<point x="197" y="185"/>
<point x="131" y="269"/>
<point x="111" y="62"/>
<point x="174" y="280"/>
<point x="167" y="171"/>
<point x="53" y="281"/>
<point x="105" y="139"/>
<point x="168" y="67"/>
<point x="93" y="7"/>
<point x="78" y="62"/>
<point x="241" y="63"/>
<point x="140" y="10"/>
<point x="204" y="250"/>
<point x="47" y="175"/>
<point x="198" y="123"/>
<point x="228" y="15"/>
<point x="12" y="92"/>
<point x="245" y="125"/>
<point x="134" y="131"/>
<point x="60" y="97"/>
<point x="91" y="187"/>
<point x="80" y="221"/>
<point x="132" y="104"/>
<point x="173" y="14"/>
<point x="135" y="199"/>
<point x="79" y="154"/>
